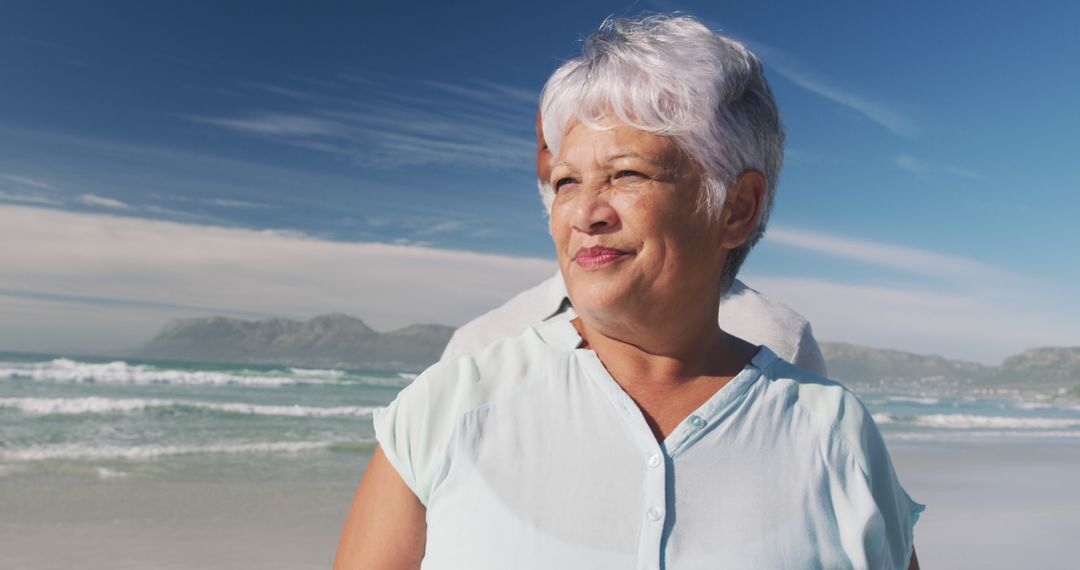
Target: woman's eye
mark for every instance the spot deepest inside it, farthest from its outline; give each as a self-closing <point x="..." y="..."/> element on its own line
<point x="563" y="182"/>
<point x="629" y="175"/>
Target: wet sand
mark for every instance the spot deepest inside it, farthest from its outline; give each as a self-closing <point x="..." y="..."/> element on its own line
<point x="994" y="504"/>
<point x="990" y="505"/>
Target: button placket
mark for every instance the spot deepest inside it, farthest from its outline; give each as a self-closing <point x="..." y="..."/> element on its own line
<point x="655" y="507"/>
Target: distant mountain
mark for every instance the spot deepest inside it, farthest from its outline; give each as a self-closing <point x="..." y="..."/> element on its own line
<point x="1045" y="371"/>
<point x="334" y="340"/>
<point x="338" y="340"/>
<point x="1044" y="365"/>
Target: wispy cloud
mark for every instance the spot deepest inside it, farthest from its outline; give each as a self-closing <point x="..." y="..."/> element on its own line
<point x="27" y="181"/>
<point x="220" y="202"/>
<point x="96" y="201"/>
<point x="443" y="227"/>
<point x="391" y="124"/>
<point x="877" y="110"/>
<point x="29" y="198"/>
<point x="885" y="255"/>
<point x="922" y="167"/>
<point x="277" y="124"/>
<point x="489" y="93"/>
<point x="225" y="203"/>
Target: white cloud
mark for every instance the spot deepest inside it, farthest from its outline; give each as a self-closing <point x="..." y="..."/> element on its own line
<point x="898" y="257"/>
<point x="27" y="181"/>
<point x="215" y="268"/>
<point x="102" y="202"/>
<point x="980" y="327"/>
<point x="27" y="198"/>
<point x="388" y="125"/>
<point x="489" y="92"/>
<point x="226" y="203"/>
<point x="439" y="228"/>
<point x="882" y="113"/>
<point x="276" y="124"/>
<point x="924" y="168"/>
<point x="967" y="309"/>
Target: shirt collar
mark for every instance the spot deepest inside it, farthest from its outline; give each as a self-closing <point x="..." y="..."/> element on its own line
<point x="556" y="300"/>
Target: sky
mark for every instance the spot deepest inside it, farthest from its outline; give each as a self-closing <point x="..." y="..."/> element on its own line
<point x="283" y="159"/>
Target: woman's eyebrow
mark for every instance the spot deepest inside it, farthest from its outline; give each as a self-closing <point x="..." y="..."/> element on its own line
<point x="613" y="158"/>
<point x="652" y="161"/>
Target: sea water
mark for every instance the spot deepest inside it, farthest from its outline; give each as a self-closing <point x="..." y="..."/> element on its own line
<point x="117" y="419"/>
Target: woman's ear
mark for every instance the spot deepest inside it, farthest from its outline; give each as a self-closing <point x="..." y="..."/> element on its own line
<point x="741" y="208"/>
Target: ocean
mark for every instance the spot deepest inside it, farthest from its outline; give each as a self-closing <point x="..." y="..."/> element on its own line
<point x="148" y="464"/>
<point x="117" y="419"/>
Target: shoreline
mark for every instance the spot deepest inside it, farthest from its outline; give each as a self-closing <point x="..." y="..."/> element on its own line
<point x="990" y="504"/>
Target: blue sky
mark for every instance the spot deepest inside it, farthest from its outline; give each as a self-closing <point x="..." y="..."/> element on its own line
<point x="175" y="160"/>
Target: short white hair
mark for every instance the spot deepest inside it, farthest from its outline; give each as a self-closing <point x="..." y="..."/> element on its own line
<point x="672" y="76"/>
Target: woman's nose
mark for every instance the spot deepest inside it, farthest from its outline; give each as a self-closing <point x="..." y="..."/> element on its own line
<point x="594" y="212"/>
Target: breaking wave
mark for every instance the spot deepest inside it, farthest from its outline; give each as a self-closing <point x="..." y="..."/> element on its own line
<point x="82" y="452"/>
<point x="317" y="373"/>
<point x="99" y="405"/>
<point x="992" y="434"/>
<point x="65" y="370"/>
<point x="968" y="421"/>
<point x="924" y="400"/>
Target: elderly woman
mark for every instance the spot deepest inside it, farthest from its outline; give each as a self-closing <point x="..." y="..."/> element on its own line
<point x="635" y="433"/>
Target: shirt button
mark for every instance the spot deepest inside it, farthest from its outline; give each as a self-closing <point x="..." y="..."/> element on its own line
<point x="655" y="460"/>
<point x="696" y="421"/>
<point x="655" y="513"/>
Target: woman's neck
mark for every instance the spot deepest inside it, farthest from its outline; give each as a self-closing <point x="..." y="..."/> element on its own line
<point x="668" y="387"/>
<point x="654" y="356"/>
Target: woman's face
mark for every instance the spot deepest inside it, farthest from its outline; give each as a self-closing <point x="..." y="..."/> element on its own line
<point x="629" y="237"/>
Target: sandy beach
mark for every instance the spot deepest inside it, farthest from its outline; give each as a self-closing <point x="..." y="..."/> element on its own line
<point x="993" y="504"/>
<point x="990" y="504"/>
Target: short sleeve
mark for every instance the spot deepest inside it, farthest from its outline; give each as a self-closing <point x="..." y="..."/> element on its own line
<point x="414" y="429"/>
<point x="890" y="531"/>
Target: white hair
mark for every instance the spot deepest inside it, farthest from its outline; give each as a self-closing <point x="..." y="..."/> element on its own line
<point x="672" y="76"/>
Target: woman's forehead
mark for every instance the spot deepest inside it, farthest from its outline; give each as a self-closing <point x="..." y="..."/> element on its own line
<point x="605" y="143"/>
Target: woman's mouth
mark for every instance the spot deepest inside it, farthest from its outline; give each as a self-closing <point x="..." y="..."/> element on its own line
<point x="597" y="257"/>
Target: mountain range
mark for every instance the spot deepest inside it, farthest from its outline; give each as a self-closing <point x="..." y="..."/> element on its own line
<point x="334" y="340"/>
<point x="338" y="340"/>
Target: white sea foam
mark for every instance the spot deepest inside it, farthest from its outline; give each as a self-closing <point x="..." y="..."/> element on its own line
<point x="938" y="436"/>
<point x="884" y="418"/>
<point x="106" y="474"/>
<point x="968" y="421"/>
<point x="407" y="376"/>
<point x="77" y="452"/>
<point x="293" y="411"/>
<point x="74" y="406"/>
<point x="98" y="405"/>
<point x="65" y="370"/>
<point x="317" y="373"/>
<point x="925" y="400"/>
<point x="1034" y="406"/>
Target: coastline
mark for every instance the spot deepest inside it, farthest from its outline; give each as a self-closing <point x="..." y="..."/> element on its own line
<point x="990" y="504"/>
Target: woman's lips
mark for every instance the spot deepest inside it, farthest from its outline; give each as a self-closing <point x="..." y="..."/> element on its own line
<point x="596" y="257"/>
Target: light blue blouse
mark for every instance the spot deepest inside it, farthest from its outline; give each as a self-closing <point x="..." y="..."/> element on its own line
<point x="528" y="454"/>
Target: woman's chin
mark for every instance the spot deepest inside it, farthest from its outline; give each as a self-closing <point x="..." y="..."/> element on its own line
<point x="599" y="298"/>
